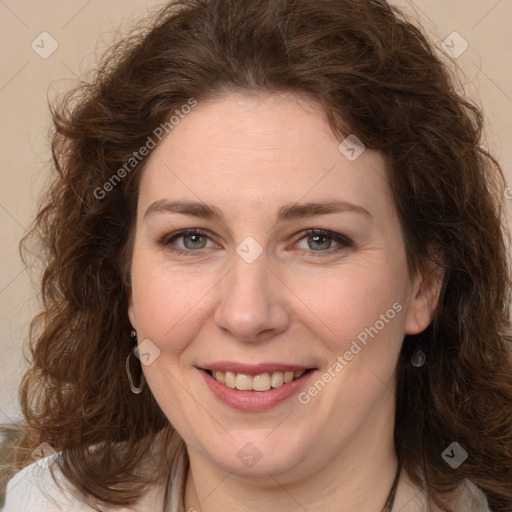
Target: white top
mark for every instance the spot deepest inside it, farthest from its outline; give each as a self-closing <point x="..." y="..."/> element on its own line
<point x="34" y="490"/>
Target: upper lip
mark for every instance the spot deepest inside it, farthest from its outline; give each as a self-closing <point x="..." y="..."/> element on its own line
<point x="252" y="369"/>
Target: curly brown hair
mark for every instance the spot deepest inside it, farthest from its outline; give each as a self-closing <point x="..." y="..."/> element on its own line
<point x="376" y="76"/>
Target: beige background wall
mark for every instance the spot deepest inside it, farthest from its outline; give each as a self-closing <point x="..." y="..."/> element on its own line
<point x="81" y="28"/>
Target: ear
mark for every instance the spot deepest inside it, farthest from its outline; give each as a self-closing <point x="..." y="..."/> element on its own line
<point x="131" y="310"/>
<point x="425" y="292"/>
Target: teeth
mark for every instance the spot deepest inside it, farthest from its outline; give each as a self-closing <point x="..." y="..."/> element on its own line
<point x="229" y="379"/>
<point x="288" y="377"/>
<point x="277" y="379"/>
<point x="243" y="382"/>
<point x="220" y="376"/>
<point x="261" y="382"/>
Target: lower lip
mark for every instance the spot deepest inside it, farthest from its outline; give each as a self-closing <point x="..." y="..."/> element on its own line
<point x="254" y="401"/>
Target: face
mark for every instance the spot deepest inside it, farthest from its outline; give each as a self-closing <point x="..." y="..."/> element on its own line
<point x="266" y="256"/>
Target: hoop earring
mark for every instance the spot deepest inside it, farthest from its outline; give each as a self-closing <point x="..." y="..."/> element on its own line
<point x="418" y="358"/>
<point x="135" y="390"/>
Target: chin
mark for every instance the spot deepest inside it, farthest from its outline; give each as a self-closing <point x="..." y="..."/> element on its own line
<point x="257" y="454"/>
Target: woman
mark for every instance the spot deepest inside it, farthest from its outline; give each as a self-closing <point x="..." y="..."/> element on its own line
<point x="271" y="241"/>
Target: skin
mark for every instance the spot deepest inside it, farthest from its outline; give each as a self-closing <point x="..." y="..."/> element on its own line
<point x="296" y="303"/>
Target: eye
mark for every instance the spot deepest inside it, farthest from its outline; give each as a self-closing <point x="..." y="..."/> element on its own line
<point x="191" y="241"/>
<point x="321" y="241"/>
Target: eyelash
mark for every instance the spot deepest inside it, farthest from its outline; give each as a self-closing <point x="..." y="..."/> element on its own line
<point x="344" y="241"/>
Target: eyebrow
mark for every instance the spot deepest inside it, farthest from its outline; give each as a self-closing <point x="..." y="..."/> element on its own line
<point x="287" y="212"/>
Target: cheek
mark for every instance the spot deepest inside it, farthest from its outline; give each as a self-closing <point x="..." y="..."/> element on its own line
<point x="362" y="317"/>
<point x="169" y="304"/>
<point x="355" y="298"/>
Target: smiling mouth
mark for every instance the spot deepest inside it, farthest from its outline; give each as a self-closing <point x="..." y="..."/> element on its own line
<point x="261" y="382"/>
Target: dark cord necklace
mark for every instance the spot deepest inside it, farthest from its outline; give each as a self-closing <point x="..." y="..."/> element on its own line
<point x="391" y="497"/>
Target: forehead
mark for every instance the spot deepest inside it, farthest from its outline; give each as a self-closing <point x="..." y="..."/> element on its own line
<point x="263" y="150"/>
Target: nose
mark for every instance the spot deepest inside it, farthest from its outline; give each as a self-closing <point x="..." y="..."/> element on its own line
<point x="252" y="305"/>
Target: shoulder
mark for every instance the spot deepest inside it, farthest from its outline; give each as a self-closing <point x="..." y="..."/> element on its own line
<point x="41" y="487"/>
<point x="35" y="489"/>
<point x="471" y="499"/>
<point x="468" y="498"/>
